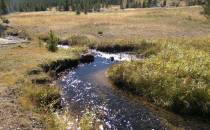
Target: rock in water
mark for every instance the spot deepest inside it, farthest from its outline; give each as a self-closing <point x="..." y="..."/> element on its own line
<point x="86" y="58"/>
<point x="112" y="58"/>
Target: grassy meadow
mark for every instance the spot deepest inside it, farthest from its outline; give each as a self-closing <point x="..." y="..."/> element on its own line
<point x="120" y="24"/>
<point x="174" y="42"/>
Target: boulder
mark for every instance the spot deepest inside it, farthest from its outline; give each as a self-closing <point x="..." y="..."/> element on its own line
<point x="86" y="58"/>
<point x="112" y="58"/>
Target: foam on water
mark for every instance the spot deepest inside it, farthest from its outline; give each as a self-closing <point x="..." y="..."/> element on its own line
<point x="117" y="56"/>
<point x="63" y="46"/>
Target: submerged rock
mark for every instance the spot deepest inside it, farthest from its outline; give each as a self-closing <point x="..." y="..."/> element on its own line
<point x="112" y="58"/>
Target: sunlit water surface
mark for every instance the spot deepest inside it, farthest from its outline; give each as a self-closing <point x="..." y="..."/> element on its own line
<point x="87" y="88"/>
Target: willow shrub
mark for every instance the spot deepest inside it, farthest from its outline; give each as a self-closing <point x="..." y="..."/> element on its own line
<point x="177" y="78"/>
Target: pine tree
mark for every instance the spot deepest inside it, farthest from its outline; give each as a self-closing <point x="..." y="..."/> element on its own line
<point x="207" y="8"/>
<point x="66" y="5"/>
<point x="144" y="4"/>
<point x="3" y="7"/>
<point x="78" y="9"/>
<point x="86" y="6"/>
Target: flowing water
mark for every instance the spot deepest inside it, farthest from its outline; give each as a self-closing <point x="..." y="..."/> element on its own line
<point x="87" y="87"/>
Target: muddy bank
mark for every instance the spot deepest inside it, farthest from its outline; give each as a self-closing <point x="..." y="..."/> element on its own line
<point x="45" y="74"/>
<point x="56" y="67"/>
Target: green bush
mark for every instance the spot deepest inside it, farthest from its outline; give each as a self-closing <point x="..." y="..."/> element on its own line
<point x="177" y="78"/>
<point x="52" y="42"/>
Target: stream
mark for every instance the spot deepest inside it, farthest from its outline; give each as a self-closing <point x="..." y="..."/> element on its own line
<point x="87" y="88"/>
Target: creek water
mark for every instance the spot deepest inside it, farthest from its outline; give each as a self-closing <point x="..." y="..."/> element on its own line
<point x="87" y="88"/>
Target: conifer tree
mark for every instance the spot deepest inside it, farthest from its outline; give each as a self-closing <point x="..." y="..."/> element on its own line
<point x="207" y="8"/>
<point x="78" y="9"/>
<point x="66" y="5"/>
<point x="3" y="7"/>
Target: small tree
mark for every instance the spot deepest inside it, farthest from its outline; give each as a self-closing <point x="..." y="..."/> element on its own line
<point x="52" y="42"/>
<point x="207" y="8"/>
<point x="3" y="7"/>
<point x="86" y="6"/>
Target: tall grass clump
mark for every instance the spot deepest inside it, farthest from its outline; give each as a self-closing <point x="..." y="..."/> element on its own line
<point x="79" y="40"/>
<point x="52" y="42"/>
<point x="177" y="78"/>
<point x="87" y="121"/>
<point x="45" y="98"/>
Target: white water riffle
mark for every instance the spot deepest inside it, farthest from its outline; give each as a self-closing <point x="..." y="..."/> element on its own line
<point x="123" y="56"/>
<point x="117" y="56"/>
<point x="63" y="46"/>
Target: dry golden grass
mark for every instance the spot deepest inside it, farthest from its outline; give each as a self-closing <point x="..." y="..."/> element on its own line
<point x="155" y="22"/>
<point x="16" y="89"/>
<point x="15" y="62"/>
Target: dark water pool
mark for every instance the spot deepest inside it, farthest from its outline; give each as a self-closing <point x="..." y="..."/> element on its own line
<point x="86" y="87"/>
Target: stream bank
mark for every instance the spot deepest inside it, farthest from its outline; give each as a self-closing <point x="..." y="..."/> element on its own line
<point x="87" y="88"/>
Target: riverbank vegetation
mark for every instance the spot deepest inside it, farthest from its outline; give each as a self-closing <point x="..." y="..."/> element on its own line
<point x="35" y="102"/>
<point x="176" y="78"/>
